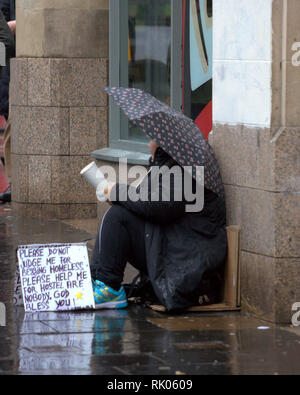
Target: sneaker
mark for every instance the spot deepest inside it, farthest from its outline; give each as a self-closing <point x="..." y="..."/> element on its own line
<point x="107" y="298"/>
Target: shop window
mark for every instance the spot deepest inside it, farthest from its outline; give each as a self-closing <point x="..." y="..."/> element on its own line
<point x="165" y="48"/>
<point x="142" y="55"/>
<point x="197" y="62"/>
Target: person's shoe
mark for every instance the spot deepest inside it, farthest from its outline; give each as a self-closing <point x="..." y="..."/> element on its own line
<point x="107" y="298"/>
<point x="5" y="197"/>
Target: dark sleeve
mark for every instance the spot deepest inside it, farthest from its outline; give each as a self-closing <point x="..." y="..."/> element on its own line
<point x="12" y="10"/>
<point x="153" y="210"/>
<point x="5" y="7"/>
<point x="6" y="37"/>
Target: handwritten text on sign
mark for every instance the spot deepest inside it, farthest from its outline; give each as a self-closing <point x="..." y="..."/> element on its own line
<point x="55" y="277"/>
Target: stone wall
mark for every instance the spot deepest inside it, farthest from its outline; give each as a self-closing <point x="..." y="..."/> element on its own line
<point x="257" y="141"/>
<point x="59" y="112"/>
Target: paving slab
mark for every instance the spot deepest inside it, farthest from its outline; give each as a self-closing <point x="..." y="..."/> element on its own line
<point x="134" y="341"/>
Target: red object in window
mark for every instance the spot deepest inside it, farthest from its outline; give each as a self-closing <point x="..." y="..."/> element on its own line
<point x="204" y="120"/>
<point x="3" y="180"/>
<point x="2" y="122"/>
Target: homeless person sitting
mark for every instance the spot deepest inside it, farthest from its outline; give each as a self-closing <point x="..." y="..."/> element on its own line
<point x="175" y="249"/>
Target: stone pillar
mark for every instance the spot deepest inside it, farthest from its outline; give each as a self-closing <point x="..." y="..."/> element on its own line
<point x="256" y="138"/>
<point x="59" y="112"/>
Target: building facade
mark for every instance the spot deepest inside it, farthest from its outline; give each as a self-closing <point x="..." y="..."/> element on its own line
<point x="239" y="62"/>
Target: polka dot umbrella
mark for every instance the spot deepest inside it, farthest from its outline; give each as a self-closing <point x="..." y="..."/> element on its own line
<point x="173" y="131"/>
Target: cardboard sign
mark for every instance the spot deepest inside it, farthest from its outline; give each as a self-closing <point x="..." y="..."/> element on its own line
<point x="55" y="277"/>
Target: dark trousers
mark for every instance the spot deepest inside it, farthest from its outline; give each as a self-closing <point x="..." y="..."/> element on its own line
<point x="121" y="239"/>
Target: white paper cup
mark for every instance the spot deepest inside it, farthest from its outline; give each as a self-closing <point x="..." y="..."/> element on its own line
<point x="92" y="174"/>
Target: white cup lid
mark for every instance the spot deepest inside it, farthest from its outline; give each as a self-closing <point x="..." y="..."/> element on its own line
<point x="87" y="168"/>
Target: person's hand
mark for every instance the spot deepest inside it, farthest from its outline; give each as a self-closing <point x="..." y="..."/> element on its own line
<point x="108" y="189"/>
<point x="103" y="190"/>
<point x="13" y="26"/>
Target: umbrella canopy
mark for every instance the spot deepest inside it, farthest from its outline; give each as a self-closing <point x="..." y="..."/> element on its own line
<point x="173" y="131"/>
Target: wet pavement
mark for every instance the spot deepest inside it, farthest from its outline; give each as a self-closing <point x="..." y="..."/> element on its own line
<point x="136" y="341"/>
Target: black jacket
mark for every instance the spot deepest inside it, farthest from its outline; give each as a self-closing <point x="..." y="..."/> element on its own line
<point x="6" y="37"/>
<point x="181" y="247"/>
<point x="8" y="9"/>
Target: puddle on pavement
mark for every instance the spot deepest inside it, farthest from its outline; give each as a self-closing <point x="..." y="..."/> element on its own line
<point x="131" y="341"/>
<point x="205" y="323"/>
<point x="202" y="345"/>
<point x="30" y="231"/>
